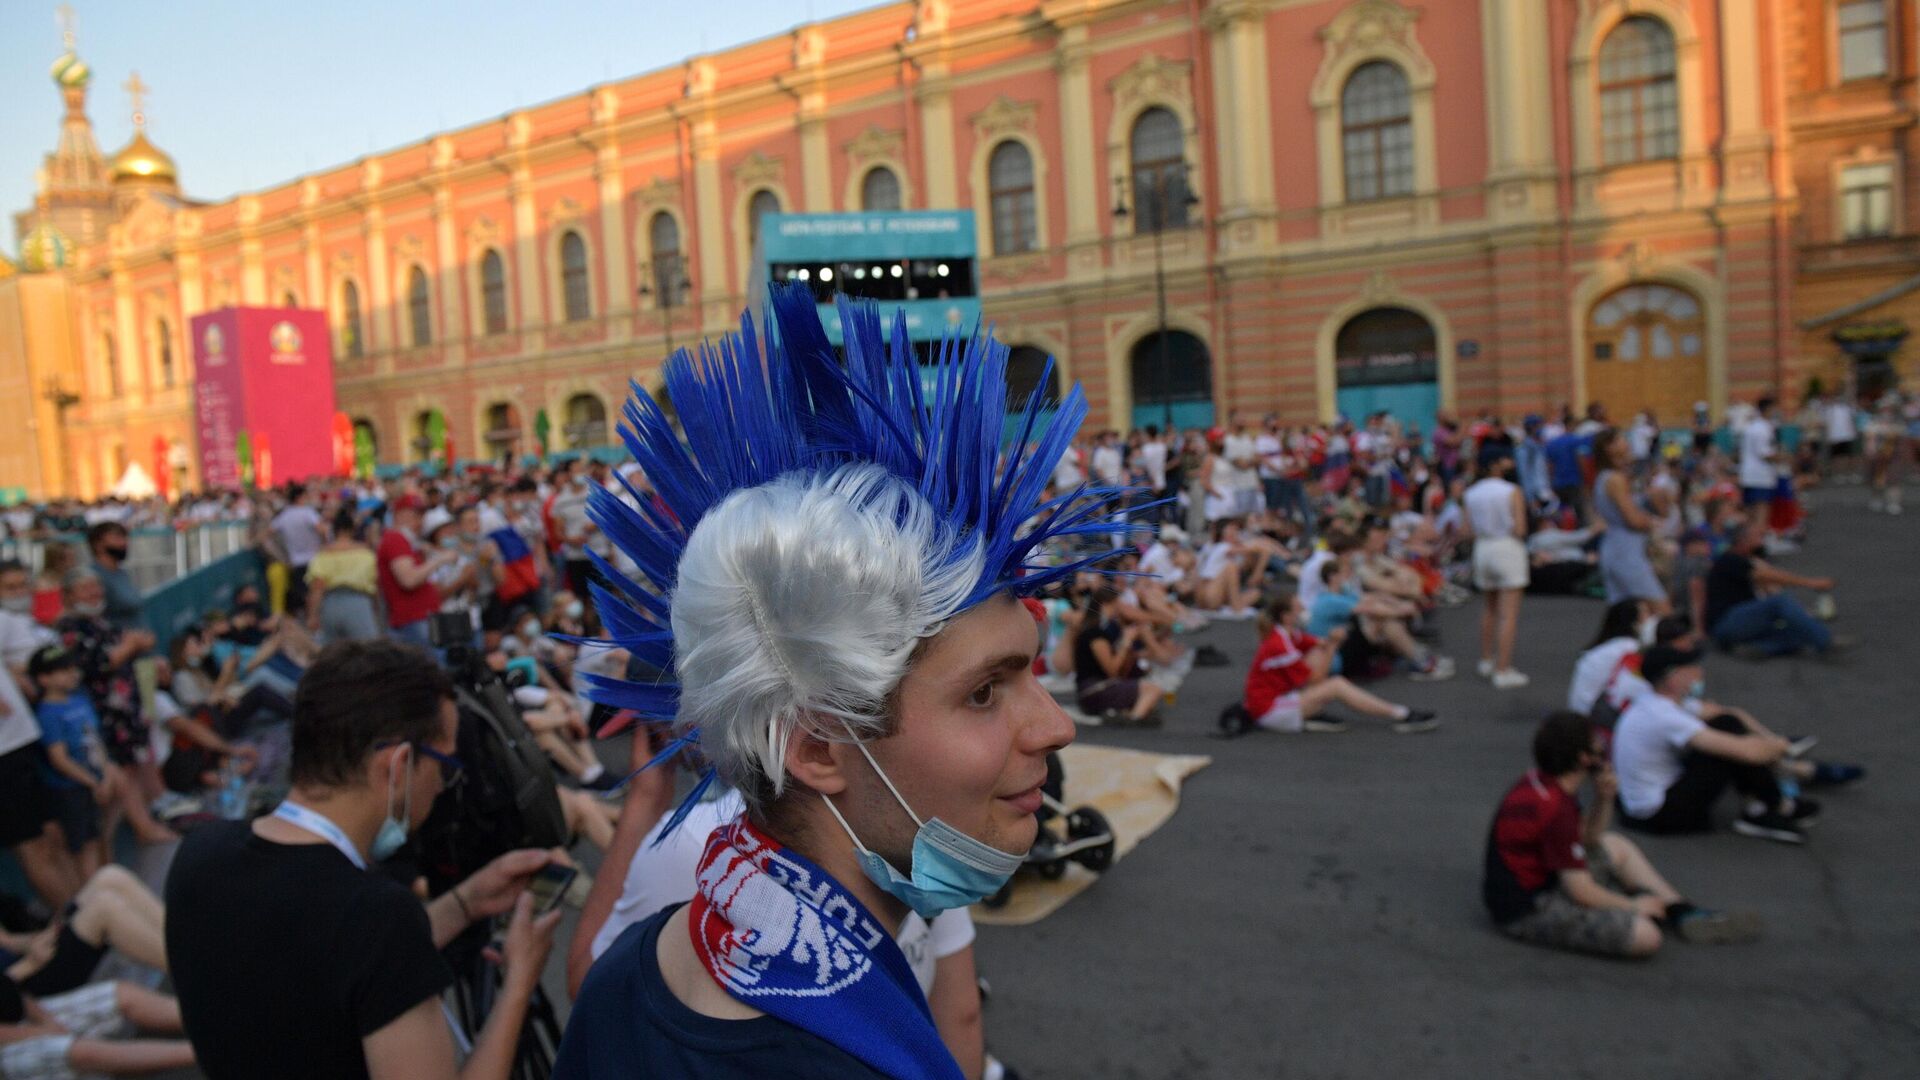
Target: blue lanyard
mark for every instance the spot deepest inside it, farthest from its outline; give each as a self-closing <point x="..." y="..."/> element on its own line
<point x="317" y="823"/>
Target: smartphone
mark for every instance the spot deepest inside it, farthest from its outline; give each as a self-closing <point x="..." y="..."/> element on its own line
<point x="549" y="886"/>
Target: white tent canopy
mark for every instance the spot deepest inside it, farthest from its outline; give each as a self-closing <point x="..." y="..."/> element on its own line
<point x="135" y="484"/>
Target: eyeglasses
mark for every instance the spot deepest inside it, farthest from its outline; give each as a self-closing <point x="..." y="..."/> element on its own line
<point x="451" y="768"/>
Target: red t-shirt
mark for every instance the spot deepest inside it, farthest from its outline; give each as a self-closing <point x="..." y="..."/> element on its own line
<point x="1279" y="668"/>
<point x="1535" y="835"/>
<point x="403" y="605"/>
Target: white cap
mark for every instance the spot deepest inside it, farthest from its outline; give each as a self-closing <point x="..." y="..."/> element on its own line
<point x="434" y="518"/>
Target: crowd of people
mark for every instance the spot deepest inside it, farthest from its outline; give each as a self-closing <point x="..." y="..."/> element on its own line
<point x="327" y="681"/>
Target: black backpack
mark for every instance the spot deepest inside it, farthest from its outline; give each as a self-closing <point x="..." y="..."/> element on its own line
<point x="505" y="800"/>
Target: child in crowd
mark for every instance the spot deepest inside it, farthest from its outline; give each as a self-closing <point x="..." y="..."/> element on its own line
<point x="1289" y="686"/>
<point x="82" y="783"/>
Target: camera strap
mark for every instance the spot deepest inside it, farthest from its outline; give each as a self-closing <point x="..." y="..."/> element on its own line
<point x="313" y="821"/>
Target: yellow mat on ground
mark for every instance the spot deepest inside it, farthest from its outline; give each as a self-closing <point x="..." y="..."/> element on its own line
<point x="1136" y="790"/>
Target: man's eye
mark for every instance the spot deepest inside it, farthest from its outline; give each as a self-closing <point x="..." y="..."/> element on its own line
<point x="984" y="695"/>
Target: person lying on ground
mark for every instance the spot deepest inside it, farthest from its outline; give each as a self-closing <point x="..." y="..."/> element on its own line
<point x="1557" y="876"/>
<point x="1289" y="684"/>
<point x="86" y="1033"/>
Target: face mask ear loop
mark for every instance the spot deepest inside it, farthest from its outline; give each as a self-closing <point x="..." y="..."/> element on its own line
<point x="877" y="771"/>
<point x="848" y="829"/>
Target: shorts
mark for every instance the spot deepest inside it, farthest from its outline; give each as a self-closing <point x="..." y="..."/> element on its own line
<point x="1557" y="922"/>
<point x="1283" y="715"/>
<point x="26" y="807"/>
<point x="1754" y="496"/>
<point x="1500" y="562"/>
<point x="1109" y="695"/>
<point x="91" y="1012"/>
<point x="1246" y="501"/>
<point x="78" y="815"/>
<point x="71" y="965"/>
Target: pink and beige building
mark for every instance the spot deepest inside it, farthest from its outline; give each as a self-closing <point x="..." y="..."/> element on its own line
<point x="1537" y="201"/>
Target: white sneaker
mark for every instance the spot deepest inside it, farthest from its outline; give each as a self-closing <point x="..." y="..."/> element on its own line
<point x="1509" y="680"/>
<point x="1485" y="669"/>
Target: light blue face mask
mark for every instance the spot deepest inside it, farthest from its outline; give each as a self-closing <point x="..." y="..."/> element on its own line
<point x="950" y="868"/>
<point x="393" y="831"/>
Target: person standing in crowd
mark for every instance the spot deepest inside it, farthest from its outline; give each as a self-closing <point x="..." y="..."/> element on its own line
<point x="1673" y="766"/>
<point x="572" y="526"/>
<point x="1746" y="605"/>
<point x="50" y="584"/>
<point x="1531" y="471"/>
<point x="1759" y="461"/>
<point x="107" y="543"/>
<point x="1557" y="876"/>
<point x="301" y="534"/>
<point x="1568" y="455"/>
<point x="293" y="956"/>
<point x="1242" y="452"/>
<point x="1624" y="566"/>
<point x="343" y="580"/>
<point x="1496" y="514"/>
<point x="20" y="635"/>
<point x="1153" y="458"/>
<point x="406" y="568"/>
<point x="1843" y="439"/>
<point x="873" y="701"/>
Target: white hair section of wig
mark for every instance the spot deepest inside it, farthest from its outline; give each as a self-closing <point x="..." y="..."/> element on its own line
<point x="801" y="602"/>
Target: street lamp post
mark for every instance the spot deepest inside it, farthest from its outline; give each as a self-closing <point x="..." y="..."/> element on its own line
<point x="670" y="278"/>
<point x="1163" y="186"/>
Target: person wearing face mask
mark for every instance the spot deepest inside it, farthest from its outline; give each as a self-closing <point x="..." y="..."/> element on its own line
<point x="292" y="954"/>
<point x="107" y="543"/>
<point x="406" y="567"/>
<point x="871" y="696"/>
<point x="572" y="526"/>
<point x="1674" y="766"/>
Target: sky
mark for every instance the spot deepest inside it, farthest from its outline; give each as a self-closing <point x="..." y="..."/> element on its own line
<point x="246" y="94"/>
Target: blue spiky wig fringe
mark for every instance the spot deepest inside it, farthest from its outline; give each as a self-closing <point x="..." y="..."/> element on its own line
<point x="778" y="412"/>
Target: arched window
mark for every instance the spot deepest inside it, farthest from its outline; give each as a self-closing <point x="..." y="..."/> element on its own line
<point x="419" y="308"/>
<point x="880" y="189"/>
<point x="1157" y="153"/>
<point x="577" y="300"/>
<point x="110" y="355"/>
<point x="1639" y="102"/>
<point x="1024" y="365"/>
<point x="493" y="291"/>
<point x="1010" y="187"/>
<point x="1376" y="132"/>
<point x="163" y="349"/>
<point x="669" y="266"/>
<point x="586" y="422"/>
<point x="351" y="341"/>
<point x="764" y="202"/>
<point x="1172" y="373"/>
<point x="1647" y="350"/>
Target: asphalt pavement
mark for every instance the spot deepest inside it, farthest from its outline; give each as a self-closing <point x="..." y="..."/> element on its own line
<point x="1313" y="908"/>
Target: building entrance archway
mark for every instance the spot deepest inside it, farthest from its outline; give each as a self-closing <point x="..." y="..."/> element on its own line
<point x="1386" y="359"/>
<point x="1177" y="381"/>
<point x="1646" y="349"/>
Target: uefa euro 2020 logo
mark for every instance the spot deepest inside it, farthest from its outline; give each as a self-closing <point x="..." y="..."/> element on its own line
<point x="285" y="339"/>
<point x="214" y="344"/>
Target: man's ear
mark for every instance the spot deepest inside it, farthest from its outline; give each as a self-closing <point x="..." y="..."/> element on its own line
<point x="816" y="762"/>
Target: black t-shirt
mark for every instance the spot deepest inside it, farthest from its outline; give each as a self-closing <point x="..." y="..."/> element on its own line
<point x="627" y="1023"/>
<point x="285" y="956"/>
<point x="1086" y="666"/>
<point x="1729" y="584"/>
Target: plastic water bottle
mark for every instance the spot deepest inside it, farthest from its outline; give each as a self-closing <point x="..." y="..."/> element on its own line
<point x="233" y="791"/>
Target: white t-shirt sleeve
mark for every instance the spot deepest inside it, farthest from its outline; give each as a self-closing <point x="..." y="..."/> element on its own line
<point x="952" y="932"/>
<point x="662" y="875"/>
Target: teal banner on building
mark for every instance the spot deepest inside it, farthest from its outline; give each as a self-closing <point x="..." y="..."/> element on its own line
<point x="927" y="320"/>
<point x="904" y="234"/>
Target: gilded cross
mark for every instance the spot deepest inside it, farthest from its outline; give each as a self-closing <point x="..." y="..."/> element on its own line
<point x="64" y="16"/>
<point x="137" y="92"/>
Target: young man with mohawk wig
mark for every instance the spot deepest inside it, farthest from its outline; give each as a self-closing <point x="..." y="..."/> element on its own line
<point x="832" y="580"/>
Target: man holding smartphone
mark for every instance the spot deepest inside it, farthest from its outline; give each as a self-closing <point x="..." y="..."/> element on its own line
<point x="1557" y="877"/>
<point x="292" y="954"/>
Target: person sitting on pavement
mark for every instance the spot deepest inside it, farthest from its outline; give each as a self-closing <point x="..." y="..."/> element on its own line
<point x="1108" y="664"/>
<point x="1748" y="609"/>
<point x="86" y="1033"/>
<point x="1225" y="586"/>
<point x="113" y="910"/>
<point x="1673" y="766"/>
<point x="1557" y="876"/>
<point x="1382" y="622"/>
<point x="1289" y="684"/>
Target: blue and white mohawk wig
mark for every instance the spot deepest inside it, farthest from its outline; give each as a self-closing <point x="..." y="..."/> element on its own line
<point x="817" y="522"/>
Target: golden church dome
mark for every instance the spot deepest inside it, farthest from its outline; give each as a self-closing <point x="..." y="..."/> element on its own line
<point x="141" y="160"/>
<point x="70" y="71"/>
